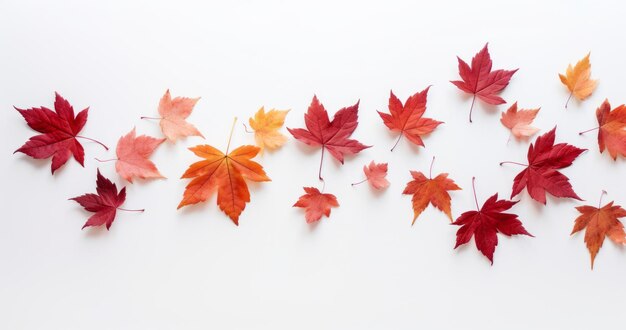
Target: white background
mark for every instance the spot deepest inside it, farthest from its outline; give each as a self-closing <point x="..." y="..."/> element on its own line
<point x="363" y="268"/>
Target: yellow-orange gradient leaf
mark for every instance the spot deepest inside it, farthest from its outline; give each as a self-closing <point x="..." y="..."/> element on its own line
<point x="266" y="126"/>
<point x="578" y="80"/>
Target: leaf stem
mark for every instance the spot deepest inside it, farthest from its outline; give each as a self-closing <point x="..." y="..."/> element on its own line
<point x="319" y="174"/>
<point x="245" y="128"/>
<point x="232" y="129"/>
<point x="92" y="140"/>
<point x="516" y="163"/>
<point x="397" y="141"/>
<point x="157" y="118"/>
<point x="474" y="189"/>
<point x="106" y="160"/>
<point x="356" y="183"/>
<point x="589" y="130"/>
<point x="127" y="210"/>
<point x="472" y="108"/>
<point x="430" y="173"/>
<point x="567" y="102"/>
<point x="601" y="195"/>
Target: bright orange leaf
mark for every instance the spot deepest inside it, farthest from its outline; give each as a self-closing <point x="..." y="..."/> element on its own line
<point x="578" y="80"/>
<point x="600" y="222"/>
<point x="428" y="190"/>
<point x="266" y="125"/>
<point x="518" y="121"/>
<point x="174" y="113"/>
<point x="226" y="173"/>
<point x="316" y="204"/>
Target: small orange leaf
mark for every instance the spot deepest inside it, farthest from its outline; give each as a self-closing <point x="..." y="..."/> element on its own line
<point x="226" y="173"/>
<point x="174" y="113"/>
<point x="518" y="121"/>
<point x="578" y="80"/>
<point x="316" y="204"/>
<point x="376" y="175"/>
<point x="600" y="222"/>
<point x="266" y="125"/>
<point x="427" y="190"/>
<point x="132" y="157"/>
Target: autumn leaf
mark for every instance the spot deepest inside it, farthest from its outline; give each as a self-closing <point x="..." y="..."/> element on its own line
<point x="225" y="172"/>
<point x="132" y="157"/>
<point x="541" y="174"/>
<point x="316" y="204"/>
<point x="578" y="80"/>
<point x="519" y="121"/>
<point x="59" y="130"/>
<point x="428" y="190"/>
<point x="480" y="81"/>
<point x="266" y="126"/>
<point x="484" y="224"/>
<point x="332" y="135"/>
<point x="612" y="129"/>
<point x="174" y="113"/>
<point x="376" y="175"/>
<point x="104" y="204"/>
<point x="600" y="222"/>
<point x="407" y="118"/>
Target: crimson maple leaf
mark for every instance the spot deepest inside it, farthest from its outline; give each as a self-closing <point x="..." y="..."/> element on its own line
<point x="541" y="174"/>
<point x="481" y="81"/>
<point x="104" y="204"/>
<point x="486" y="222"/>
<point x="59" y="130"/>
<point x="408" y="119"/>
<point x="332" y="135"/>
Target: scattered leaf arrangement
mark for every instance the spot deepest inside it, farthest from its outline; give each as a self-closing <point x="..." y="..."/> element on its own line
<point x="228" y="171"/>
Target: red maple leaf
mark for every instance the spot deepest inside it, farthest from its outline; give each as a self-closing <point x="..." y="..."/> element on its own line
<point x="486" y="222"/>
<point x="59" y="130"/>
<point x="541" y="174"/>
<point x="407" y="118"/>
<point x="316" y="204"/>
<point x="104" y="204"/>
<point x="332" y="135"/>
<point x="481" y="81"/>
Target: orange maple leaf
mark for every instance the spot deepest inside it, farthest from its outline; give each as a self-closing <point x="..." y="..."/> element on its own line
<point x="174" y="113"/>
<point x="132" y="157"/>
<point x="518" y="121"/>
<point x="612" y="129"/>
<point x="428" y="190"/>
<point x="578" y="80"/>
<point x="600" y="222"/>
<point x="266" y="125"/>
<point x="226" y="172"/>
<point x="407" y="118"/>
<point x="316" y="204"/>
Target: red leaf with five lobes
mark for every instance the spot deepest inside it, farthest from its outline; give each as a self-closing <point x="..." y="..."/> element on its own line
<point x="174" y="113"/>
<point x="104" y="204"/>
<point x="407" y="118"/>
<point x="612" y="129"/>
<point x="332" y="135"/>
<point x="132" y="157"/>
<point x="59" y="130"/>
<point x="541" y="175"/>
<point x="428" y="190"/>
<point x="226" y="173"/>
<point x="316" y="204"/>
<point x="486" y="222"/>
<point x="600" y="222"/>
<point x="481" y="81"/>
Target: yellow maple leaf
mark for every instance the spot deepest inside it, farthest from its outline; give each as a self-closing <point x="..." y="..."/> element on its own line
<point x="266" y="125"/>
<point x="578" y="80"/>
